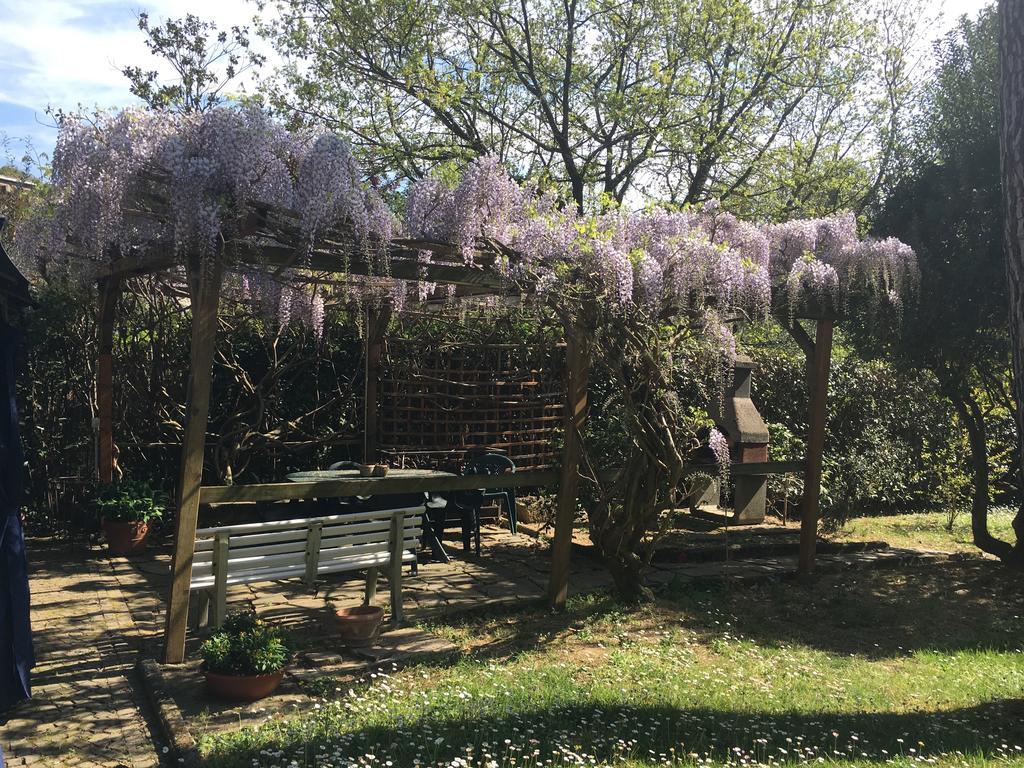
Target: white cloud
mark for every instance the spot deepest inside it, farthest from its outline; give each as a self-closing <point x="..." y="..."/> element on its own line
<point x="54" y="52"/>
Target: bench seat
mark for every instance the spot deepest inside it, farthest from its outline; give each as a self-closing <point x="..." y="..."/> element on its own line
<point x="306" y="548"/>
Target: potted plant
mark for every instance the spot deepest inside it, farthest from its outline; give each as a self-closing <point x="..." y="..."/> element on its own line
<point x="244" y="660"/>
<point x="126" y="509"/>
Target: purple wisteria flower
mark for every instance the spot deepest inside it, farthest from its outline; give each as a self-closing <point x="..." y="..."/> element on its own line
<point x="719" y="445"/>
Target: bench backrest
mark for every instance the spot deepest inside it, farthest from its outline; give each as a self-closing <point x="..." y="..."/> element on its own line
<point x="305" y="547"/>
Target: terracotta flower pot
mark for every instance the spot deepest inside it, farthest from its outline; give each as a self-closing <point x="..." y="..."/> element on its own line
<point x="358" y="626"/>
<point x="125" y="536"/>
<point x="243" y="687"/>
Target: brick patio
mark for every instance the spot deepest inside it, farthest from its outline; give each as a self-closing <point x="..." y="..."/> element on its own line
<point x="87" y="706"/>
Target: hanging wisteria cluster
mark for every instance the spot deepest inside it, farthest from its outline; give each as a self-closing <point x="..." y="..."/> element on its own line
<point x="656" y="260"/>
<point x="195" y="176"/>
<point x="137" y="177"/>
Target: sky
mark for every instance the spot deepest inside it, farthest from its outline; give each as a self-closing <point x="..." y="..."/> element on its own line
<point x="65" y="53"/>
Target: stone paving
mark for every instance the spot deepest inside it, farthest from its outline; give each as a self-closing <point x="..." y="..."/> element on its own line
<point x="87" y="706"/>
<point x="511" y="569"/>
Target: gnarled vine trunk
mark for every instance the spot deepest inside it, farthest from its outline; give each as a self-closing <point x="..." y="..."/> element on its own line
<point x="625" y="521"/>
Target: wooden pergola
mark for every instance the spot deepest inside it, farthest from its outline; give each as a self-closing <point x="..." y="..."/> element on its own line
<point x="270" y="240"/>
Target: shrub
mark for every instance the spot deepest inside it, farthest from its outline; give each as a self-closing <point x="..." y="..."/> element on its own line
<point x="245" y="645"/>
<point x="130" y="501"/>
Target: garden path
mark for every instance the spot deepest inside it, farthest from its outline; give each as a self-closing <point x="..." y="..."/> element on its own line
<point x="87" y="706"/>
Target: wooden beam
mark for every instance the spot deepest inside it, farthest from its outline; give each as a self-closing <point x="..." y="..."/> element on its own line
<point x="109" y="290"/>
<point x="806" y="344"/>
<point x="370" y="486"/>
<point x="403" y="266"/>
<point x="131" y="266"/>
<point x="768" y="468"/>
<point x="400" y="268"/>
<point x="206" y="300"/>
<point x="810" y="505"/>
<point x="377" y="319"/>
<point x="575" y="412"/>
<point x="335" y="489"/>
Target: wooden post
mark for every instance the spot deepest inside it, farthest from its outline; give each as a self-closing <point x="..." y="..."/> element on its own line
<point x="377" y="319"/>
<point x="109" y="290"/>
<point x="810" y="505"/>
<point x="575" y="414"/>
<point x="205" y="302"/>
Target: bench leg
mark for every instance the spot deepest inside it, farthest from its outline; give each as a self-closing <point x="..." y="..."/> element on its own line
<point x="203" y="609"/>
<point x="371" y="586"/>
<point x="396" y="594"/>
<point x="219" y="605"/>
<point x="395" y="568"/>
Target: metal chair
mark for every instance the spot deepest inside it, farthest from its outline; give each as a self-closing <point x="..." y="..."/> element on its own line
<point x="470" y="502"/>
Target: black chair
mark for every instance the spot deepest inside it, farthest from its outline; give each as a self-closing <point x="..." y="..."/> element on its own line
<point x="470" y="502"/>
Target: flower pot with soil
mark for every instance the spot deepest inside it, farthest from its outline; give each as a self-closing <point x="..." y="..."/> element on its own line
<point x="126" y="510"/>
<point x="358" y="626"/>
<point x="244" y="660"/>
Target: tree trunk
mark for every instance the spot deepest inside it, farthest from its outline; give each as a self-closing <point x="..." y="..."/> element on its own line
<point x="971" y="416"/>
<point x="1011" y="142"/>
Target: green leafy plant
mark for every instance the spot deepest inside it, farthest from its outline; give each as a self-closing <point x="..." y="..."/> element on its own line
<point x="245" y="645"/>
<point x="130" y="501"/>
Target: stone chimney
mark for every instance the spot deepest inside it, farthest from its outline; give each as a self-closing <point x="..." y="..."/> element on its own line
<point x="748" y="442"/>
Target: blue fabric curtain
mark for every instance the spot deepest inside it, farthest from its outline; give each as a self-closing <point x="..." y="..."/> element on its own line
<point x="16" y="657"/>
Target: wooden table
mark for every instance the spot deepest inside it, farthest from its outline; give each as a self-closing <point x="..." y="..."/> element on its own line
<point x="353" y="474"/>
<point x="429" y="528"/>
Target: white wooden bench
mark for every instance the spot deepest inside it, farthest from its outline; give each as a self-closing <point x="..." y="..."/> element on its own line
<point x="306" y="548"/>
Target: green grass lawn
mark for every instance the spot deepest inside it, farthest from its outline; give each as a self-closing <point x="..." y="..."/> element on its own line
<point x="926" y="530"/>
<point x="919" y="666"/>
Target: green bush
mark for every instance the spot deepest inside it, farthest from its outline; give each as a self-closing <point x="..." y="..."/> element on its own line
<point x="130" y="501"/>
<point x="892" y="443"/>
<point x="245" y="645"/>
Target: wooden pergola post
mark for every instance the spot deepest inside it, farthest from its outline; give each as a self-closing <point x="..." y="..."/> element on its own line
<point x="109" y="290"/>
<point x="377" y="319"/>
<point x="810" y="506"/>
<point x="574" y="417"/>
<point x="205" y="283"/>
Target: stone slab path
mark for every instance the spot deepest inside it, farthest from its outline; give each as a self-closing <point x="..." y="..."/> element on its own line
<point x="87" y="706"/>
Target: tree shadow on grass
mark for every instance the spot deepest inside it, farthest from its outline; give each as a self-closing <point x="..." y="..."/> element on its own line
<point x="498" y="632"/>
<point x="875" y="613"/>
<point x="872" y="613"/>
<point x="634" y="734"/>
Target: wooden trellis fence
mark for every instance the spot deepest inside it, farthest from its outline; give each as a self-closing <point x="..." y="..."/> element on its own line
<point x="452" y="398"/>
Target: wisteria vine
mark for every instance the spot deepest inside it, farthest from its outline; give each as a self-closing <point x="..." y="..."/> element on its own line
<point x="202" y="171"/>
<point x="139" y="178"/>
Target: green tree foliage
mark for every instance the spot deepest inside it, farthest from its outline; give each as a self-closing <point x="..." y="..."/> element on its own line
<point x="892" y="441"/>
<point x="281" y="400"/>
<point x="948" y="207"/>
<point x="778" y="107"/>
<point x="204" y="59"/>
